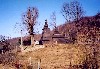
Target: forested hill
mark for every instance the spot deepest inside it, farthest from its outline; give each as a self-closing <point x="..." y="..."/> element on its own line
<point x="84" y="25"/>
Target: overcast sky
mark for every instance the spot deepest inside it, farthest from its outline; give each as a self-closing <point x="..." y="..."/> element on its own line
<point x="12" y="10"/>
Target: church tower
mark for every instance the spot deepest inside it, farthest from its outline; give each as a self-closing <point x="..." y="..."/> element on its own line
<point x="45" y="33"/>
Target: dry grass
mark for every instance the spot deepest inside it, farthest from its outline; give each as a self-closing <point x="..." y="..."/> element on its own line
<point x="56" y="56"/>
<point x="6" y="67"/>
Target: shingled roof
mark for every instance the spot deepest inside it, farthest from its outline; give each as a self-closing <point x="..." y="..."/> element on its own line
<point x="58" y="37"/>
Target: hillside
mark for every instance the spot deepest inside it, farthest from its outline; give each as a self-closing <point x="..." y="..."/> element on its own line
<point x="60" y="56"/>
<point x="88" y="21"/>
<point x="88" y="27"/>
<point x="55" y="56"/>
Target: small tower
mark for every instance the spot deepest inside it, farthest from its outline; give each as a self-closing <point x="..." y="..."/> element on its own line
<point x="45" y="26"/>
<point x="46" y="33"/>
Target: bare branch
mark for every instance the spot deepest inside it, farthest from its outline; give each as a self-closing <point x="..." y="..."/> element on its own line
<point x="53" y="18"/>
<point x="72" y="11"/>
<point x="29" y="19"/>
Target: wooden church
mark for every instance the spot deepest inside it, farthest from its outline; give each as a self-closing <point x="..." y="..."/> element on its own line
<point x="51" y="36"/>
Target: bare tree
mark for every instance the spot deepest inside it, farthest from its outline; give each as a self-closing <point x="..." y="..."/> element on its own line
<point x="53" y="19"/>
<point x="72" y="11"/>
<point x="29" y="21"/>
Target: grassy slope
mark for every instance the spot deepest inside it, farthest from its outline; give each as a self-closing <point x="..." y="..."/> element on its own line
<point x="56" y="56"/>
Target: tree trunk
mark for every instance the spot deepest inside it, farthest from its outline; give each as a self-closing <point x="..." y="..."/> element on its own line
<point x="32" y="39"/>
